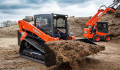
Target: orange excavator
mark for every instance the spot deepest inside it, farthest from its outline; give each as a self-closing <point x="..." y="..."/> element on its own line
<point x="46" y="27"/>
<point x="99" y="30"/>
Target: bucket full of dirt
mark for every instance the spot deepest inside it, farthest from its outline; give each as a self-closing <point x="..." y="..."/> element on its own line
<point x="63" y="55"/>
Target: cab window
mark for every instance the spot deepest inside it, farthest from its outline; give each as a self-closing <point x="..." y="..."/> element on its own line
<point x="44" y="24"/>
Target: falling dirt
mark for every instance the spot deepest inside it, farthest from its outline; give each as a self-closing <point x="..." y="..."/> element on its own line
<point x="67" y="53"/>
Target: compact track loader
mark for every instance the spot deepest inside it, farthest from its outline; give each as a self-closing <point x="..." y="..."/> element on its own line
<point x="46" y="27"/>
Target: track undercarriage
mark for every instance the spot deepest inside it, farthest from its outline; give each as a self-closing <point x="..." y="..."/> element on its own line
<point x="31" y="49"/>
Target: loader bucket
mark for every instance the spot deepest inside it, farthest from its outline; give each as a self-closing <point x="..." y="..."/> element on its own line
<point x="86" y="41"/>
<point x="68" y="52"/>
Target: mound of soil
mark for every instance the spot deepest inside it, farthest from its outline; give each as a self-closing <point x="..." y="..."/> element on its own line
<point x="117" y="13"/>
<point x="114" y="23"/>
<point x="63" y="55"/>
<point x="9" y="31"/>
<point x="76" y="25"/>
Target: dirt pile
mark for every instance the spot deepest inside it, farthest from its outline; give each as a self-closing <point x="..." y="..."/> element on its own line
<point x="117" y="13"/>
<point x="63" y="55"/>
<point x="114" y="23"/>
<point x="76" y="25"/>
<point x="9" y="31"/>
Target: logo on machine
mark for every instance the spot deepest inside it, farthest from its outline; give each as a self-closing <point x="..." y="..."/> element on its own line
<point x="36" y="31"/>
<point x="23" y="33"/>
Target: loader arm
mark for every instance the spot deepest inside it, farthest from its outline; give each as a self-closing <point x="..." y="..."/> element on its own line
<point x="25" y="26"/>
<point x="101" y="12"/>
<point x="98" y="16"/>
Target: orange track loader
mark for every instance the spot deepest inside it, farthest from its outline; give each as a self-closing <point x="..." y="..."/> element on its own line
<point x="99" y="30"/>
<point x="46" y="27"/>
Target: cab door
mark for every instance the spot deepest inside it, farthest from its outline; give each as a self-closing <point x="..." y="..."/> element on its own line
<point x="44" y="23"/>
<point x="102" y="27"/>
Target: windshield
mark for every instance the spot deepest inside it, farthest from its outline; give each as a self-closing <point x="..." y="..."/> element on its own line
<point x="44" y="24"/>
<point x="60" y="24"/>
<point x="102" y="27"/>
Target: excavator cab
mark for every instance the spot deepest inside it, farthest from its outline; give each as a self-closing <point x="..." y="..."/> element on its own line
<point x="54" y="25"/>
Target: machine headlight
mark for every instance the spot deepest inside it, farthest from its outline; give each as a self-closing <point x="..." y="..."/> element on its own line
<point x="89" y="26"/>
<point x="66" y="16"/>
<point x="85" y="32"/>
<point x="55" y="15"/>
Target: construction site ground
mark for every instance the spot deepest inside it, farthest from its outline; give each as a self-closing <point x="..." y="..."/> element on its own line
<point x="108" y="59"/>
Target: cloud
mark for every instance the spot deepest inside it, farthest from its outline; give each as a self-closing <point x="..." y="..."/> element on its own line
<point x="36" y="1"/>
<point x="10" y="1"/>
<point x="13" y="6"/>
<point x="17" y="9"/>
<point x="71" y="1"/>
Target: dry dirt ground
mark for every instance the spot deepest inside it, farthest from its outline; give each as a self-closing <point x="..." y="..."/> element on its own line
<point x="105" y="60"/>
<point x="10" y="59"/>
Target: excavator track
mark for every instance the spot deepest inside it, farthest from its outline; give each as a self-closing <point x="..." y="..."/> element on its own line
<point x="31" y="49"/>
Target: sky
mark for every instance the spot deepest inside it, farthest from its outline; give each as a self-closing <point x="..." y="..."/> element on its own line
<point x="18" y="9"/>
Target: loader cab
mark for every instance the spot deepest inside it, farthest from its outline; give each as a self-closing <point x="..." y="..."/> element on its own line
<point x="102" y="27"/>
<point x="51" y="23"/>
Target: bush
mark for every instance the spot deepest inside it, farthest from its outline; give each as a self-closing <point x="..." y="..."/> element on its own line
<point x="8" y="23"/>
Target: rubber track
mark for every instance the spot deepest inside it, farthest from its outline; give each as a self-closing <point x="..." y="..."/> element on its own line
<point x="37" y="46"/>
